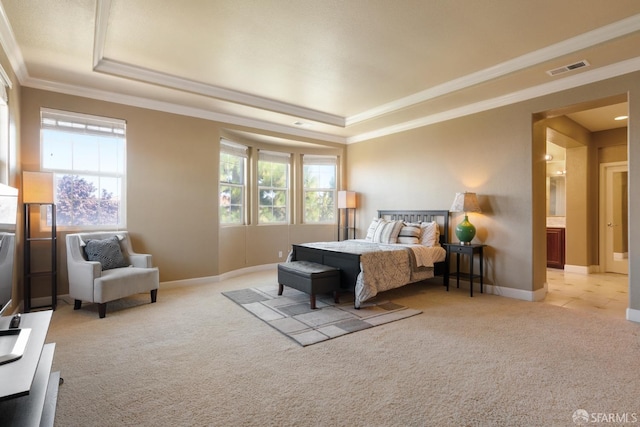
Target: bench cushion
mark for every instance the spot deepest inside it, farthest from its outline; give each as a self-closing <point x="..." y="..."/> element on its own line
<point x="309" y="269"/>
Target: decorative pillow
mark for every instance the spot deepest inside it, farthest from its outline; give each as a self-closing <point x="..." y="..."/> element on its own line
<point x="410" y="233"/>
<point x="372" y="229"/>
<point x="387" y="231"/>
<point x="430" y="234"/>
<point x="107" y="252"/>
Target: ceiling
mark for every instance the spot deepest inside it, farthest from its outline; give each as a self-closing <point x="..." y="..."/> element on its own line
<point x="341" y="71"/>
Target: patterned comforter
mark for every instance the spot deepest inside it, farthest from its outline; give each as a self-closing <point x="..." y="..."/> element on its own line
<point x="386" y="266"/>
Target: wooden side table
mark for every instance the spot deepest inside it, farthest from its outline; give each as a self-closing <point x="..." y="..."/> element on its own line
<point x="470" y="251"/>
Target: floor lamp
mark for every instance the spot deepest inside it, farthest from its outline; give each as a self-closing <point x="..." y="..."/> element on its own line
<point x="37" y="190"/>
<point x="346" y="205"/>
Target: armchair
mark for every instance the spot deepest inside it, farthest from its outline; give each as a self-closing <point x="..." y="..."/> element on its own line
<point x="112" y="272"/>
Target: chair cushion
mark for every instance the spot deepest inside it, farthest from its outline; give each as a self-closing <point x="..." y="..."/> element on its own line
<point x="107" y="252"/>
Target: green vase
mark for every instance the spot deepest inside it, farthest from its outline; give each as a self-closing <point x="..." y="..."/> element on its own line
<point x="465" y="231"/>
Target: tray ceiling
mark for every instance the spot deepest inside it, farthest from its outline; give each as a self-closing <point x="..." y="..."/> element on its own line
<point x="339" y="71"/>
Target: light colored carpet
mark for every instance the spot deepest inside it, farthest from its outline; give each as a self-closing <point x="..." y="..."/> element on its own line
<point x="291" y="314"/>
<point x="196" y="359"/>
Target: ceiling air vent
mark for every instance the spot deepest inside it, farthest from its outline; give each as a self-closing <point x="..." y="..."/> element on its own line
<point x="567" y="68"/>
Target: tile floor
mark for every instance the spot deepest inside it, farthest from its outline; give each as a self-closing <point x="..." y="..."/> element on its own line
<point x="606" y="293"/>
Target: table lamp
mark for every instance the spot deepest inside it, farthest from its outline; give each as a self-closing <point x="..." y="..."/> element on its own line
<point x="465" y="202"/>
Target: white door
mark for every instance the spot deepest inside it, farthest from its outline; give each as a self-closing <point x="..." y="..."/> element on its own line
<point x="614" y="235"/>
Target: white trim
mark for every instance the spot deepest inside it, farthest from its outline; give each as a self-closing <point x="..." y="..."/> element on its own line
<point x="103" y="8"/>
<point x="633" y="315"/>
<point x="566" y="83"/>
<point x="565" y="47"/>
<point x="128" y="71"/>
<point x="519" y="294"/>
<point x="11" y="48"/>
<point x="167" y="107"/>
<point x="577" y="269"/>
<point x="219" y="278"/>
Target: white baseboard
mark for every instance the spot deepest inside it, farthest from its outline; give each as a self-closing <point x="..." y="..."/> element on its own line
<point x="633" y="315"/>
<point x="214" y="279"/>
<point x="521" y="294"/>
<point x="581" y="269"/>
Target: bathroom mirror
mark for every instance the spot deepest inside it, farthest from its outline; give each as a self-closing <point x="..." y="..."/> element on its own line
<point x="557" y="196"/>
<point x="556" y="180"/>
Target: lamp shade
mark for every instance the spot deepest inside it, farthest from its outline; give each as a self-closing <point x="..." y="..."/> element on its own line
<point x="346" y="199"/>
<point x="37" y="187"/>
<point x="465" y="202"/>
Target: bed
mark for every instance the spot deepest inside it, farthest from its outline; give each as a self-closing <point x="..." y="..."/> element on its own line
<point x="372" y="265"/>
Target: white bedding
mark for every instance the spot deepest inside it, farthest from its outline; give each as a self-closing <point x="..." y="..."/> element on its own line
<point x="386" y="266"/>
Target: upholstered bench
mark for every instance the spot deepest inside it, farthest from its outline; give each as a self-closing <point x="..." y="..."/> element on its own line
<point x="309" y="277"/>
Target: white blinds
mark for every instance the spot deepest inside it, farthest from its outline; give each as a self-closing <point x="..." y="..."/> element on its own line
<point x="82" y="123"/>
<point x="229" y="147"/>
<point x="312" y="159"/>
<point x="274" y="157"/>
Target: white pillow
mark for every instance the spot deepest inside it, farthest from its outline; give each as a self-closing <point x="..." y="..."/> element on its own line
<point x="372" y="229"/>
<point x="387" y="231"/>
<point x="410" y="233"/>
<point x="430" y="234"/>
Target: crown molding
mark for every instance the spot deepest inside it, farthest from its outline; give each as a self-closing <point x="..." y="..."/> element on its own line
<point x="173" y="108"/>
<point x="587" y="77"/>
<point x="565" y="47"/>
<point x="11" y="48"/>
<point x="116" y="68"/>
<point x="129" y="71"/>
<point x="103" y="8"/>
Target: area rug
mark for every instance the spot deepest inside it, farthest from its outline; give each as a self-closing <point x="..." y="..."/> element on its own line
<point x="290" y="313"/>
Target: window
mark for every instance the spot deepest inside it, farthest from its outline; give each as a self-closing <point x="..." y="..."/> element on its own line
<point x="233" y="160"/>
<point x="273" y="187"/>
<point x="87" y="156"/>
<point x="319" y="175"/>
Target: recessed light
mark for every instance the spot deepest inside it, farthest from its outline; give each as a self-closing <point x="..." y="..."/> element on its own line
<point x="621" y="118"/>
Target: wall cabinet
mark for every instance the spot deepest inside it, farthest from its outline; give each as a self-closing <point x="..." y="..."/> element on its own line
<point x="555" y="247"/>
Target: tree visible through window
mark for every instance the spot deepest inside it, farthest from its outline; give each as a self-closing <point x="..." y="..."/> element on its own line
<point x="273" y="187"/>
<point x="319" y="175"/>
<point x="232" y="182"/>
<point x="87" y="156"/>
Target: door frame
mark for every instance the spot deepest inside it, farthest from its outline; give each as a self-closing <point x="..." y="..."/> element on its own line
<point x="602" y="202"/>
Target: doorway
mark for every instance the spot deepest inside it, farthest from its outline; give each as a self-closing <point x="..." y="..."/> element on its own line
<point x="597" y="275"/>
<point x="614" y="247"/>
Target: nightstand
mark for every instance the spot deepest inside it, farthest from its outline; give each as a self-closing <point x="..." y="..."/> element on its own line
<point x="470" y="251"/>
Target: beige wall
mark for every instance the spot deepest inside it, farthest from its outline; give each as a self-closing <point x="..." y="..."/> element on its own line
<point x="172" y="167"/>
<point x="171" y="207"/>
<point x="499" y="155"/>
<point x="172" y="179"/>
